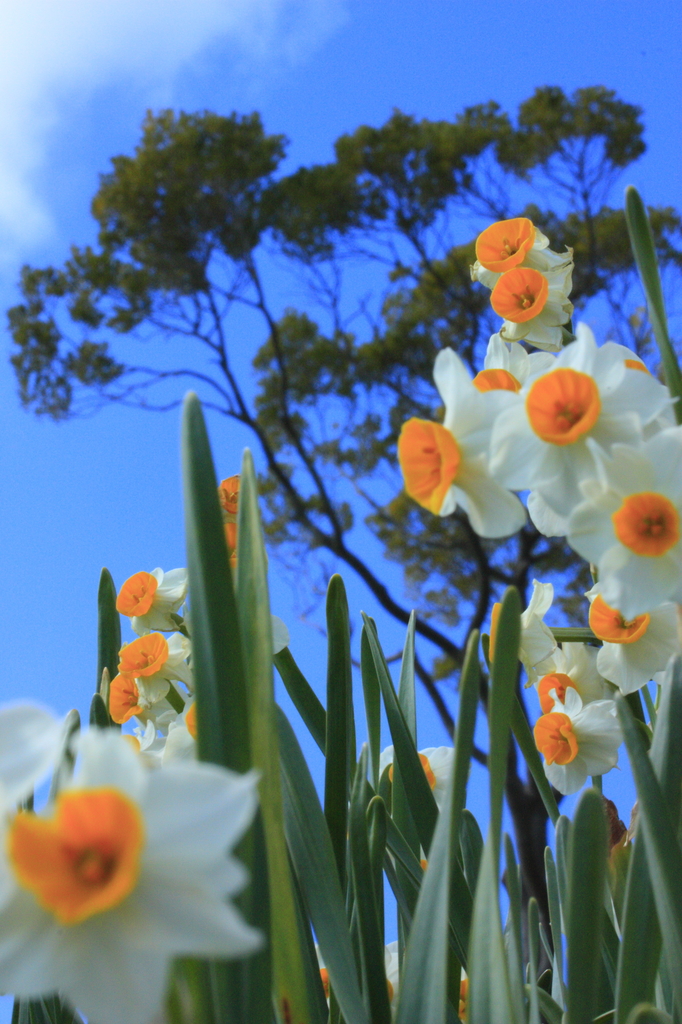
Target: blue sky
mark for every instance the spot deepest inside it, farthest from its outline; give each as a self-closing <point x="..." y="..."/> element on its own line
<point x="75" y="81"/>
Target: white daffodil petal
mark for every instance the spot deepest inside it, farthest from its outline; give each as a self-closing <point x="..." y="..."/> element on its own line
<point x="540" y="601"/>
<point x="513" y="448"/>
<point x="545" y="519"/>
<point x="666" y="460"/>
<point x="106" y="761"/>
<point x="567" y="778"/>
<point x="451" y="377"/>
<point x="216" y="813"/>
<point x="638" y="585"/>
<point x="180" y="744"/>
<point x="29" y="948"/>
<point x="591" y="535"/>
<point x="194" y="920"/>
<point x="537" y="643"/>
<point x="124" y="984"/>
<point x="30" y="743"/>
<point x="493" y="511"/>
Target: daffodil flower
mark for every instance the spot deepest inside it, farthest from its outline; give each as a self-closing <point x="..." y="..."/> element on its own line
<point x="436" y="762"/>
<point x="182" y="734"/>
<point x="575" y="666"/>
<point x="146" y="671"/>
<point x="392" y="965"/>
<point x="508" y="367"/>
<point x="515" y="243"/>
<point x="127" y="870"/>
<point x="536" y="644"/>
<point x="634" y="651"/>
<point x="149" y="599"/>
<point x="541" y="440"/>
<point x="534" y="306"/>
<point x="446" y="465"/>
<point x="629" y="524"/>
<point x="577" y="740"/>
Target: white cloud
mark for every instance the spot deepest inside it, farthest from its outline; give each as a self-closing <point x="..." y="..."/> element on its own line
<point x="52" y="52"/>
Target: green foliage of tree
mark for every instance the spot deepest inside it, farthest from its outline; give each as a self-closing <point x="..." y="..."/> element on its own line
<point x="199" y="224"/>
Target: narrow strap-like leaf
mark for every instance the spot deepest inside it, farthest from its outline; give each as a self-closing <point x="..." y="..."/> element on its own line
<point x="340" y="738"/>
<point x="503" y="680"/>
<point x="644" y="249"/>
<point x="640" y="948"/>
<point x="549" y="1008"/>
<point x="372" y="695"/>
<point x="406" y="688"/>
<point x="376" y="829"/>
<point x="67" y="756"/>
<point x="223" y="990"/>
<point x="514" y="942"/>
<point x="422" y="804"/>
<point x="220" y="684"/>
<point x="423" y="987"/>
<point x="303" y="697"/>
<point x="313" y="859"/>
<point x="99" y="715"/>
<point x="558" y="990"/>
<point x="108" y="628"/>
<point x="471" y="842"/>
<point x="533" y="960"/>
<point x="587" y="880"/>
<point x="489" y="995"/>
<point x="366" y="909"/>
<point x="255" y="628"/>
<point x="664" y="856"/>
<point x="466" y="725"/>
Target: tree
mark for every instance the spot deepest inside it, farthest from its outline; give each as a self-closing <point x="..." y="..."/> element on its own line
<point x="197" y="225"/>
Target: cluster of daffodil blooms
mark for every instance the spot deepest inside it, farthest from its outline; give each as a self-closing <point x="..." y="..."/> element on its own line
<point x="154" y="683"/>
<point x="590" y="434"/>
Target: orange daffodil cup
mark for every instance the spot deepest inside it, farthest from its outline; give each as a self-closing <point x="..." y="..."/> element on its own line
<point x="633" y="651"/>
<point x="149" y="599"/>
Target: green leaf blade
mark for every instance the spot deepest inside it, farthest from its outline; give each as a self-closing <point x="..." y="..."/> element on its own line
<point x="315" y="865"/>
<point x="664" y="856"/>
<point x="340" y="732"/>
<point x="644" y="249"/>
<point x="421" y="801"/>
<point x="255" y="629"/>
<point x="503" y="682"/>
<point x="585" y="907"/>
<point x="220" y="683"/>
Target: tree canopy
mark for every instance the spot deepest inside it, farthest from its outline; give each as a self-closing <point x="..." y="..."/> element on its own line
<point x="199" y="223"/>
